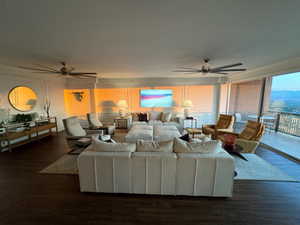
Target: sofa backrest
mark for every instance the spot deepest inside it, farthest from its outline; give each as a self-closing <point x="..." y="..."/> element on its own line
<point x="156" y="173"/>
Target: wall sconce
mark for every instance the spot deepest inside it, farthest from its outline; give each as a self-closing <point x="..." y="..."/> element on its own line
<point x="78" y="95"/>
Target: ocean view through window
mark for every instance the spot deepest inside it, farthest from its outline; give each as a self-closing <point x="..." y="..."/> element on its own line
<point x="285" y="93"/>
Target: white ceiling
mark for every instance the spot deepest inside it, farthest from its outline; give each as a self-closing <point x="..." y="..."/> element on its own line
<point x="142" y="38"/>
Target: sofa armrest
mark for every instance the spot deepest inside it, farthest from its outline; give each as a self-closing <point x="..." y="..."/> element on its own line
<point x="248" y="146"/>
<point x="179" y="120"/>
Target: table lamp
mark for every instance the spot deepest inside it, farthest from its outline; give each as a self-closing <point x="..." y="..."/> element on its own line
<point x="187" y="104"/>
<point x="122" y="104"/>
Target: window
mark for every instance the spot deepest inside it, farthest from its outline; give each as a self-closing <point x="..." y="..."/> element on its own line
<point x="285" y="93"/>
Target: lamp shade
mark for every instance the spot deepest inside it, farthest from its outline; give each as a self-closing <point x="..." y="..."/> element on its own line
<point x="187" y="104"/>
<point x="122" y="104"/>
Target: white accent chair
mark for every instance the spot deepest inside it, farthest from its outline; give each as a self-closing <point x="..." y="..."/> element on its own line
<point x="74" y="130"/>
<point x="95" y="124"/>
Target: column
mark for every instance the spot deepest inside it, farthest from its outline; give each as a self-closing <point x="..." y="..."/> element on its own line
<point x="216" y="101"/>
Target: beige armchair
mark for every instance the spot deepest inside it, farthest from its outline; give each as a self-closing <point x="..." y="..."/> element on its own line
<point x="224" y="124"/>
<point x="95" y="124"/>
<point x="249" y="138"/>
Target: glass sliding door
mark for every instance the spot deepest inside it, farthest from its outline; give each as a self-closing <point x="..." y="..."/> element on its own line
<point x="284" y="103"/>
<point x="244" y="101"/>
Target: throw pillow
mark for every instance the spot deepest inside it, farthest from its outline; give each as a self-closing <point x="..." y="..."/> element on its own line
<point x="154" y="146"/>
<point x="100" y="146"/>
<point x="143" y="117"/>
<point x="154" y="115"/>
<point x="185" y="137"/>
<point x="181" y="146"/>
<point x="166" y="116"/>
<point x="135" y="116"/>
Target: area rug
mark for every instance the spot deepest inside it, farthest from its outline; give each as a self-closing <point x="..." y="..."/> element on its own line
<point x="67" y="164"/>
<point x="257" y="168"/>
<point x="254" y="169"/>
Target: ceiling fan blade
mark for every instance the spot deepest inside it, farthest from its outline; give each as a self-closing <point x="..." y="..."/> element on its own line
<point x="47" y="67"/>
<point x="46" y="72"/>
<point x="82" y="76"/>
<point x="36" y="69"/>
<point x="219" y="73"/>
<point x="191" y="72"/>
<point x="186" y="68"/>
<point x="229" y="70"/>
<point x="82" y="73"/>
<point x="226" y="66"/>
<point x="183" y="71"/>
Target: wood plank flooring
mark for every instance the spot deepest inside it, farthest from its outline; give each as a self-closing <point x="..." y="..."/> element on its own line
<point x="27" y="197"/>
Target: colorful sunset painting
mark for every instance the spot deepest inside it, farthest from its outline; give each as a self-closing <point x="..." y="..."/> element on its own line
<point x="156" y="98"/>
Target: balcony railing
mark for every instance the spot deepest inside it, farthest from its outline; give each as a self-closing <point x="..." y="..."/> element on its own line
<point x="288" y="123"/>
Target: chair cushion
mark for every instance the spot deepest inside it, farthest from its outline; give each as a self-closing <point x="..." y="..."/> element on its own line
<point x="166" y="116"/>
<point x="252" y="131"/>
<point x="154" y="146"/>
<point x="181" y="146"/>
<point x="224" y="121"/>
<point x="73" y="127"/>
<point x="93" y="120"/>
<point x="100" y="146"/>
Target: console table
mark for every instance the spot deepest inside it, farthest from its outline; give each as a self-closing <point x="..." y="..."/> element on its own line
<point x="13" y="139"/>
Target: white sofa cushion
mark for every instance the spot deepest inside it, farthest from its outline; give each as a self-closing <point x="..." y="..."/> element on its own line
<point x="100" y="146"/>
<point x="165" y="133"/>
<point x="154" y="146"/>
<point x="201" y="138"/>
<point x="181" y="146"/>
<point x="144" y="132"/>
<point x="166" y="116"/>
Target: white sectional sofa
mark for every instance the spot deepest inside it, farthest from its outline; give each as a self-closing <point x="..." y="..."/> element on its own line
<point x="161" y="118"/>
<point x="163" y="173"/>
<point x="151" y="132"/>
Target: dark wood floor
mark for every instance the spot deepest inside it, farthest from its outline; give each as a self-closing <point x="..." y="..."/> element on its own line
<point x="27" y="197"/>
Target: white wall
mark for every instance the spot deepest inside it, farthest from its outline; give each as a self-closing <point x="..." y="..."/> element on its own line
<point x="42" y="84"/>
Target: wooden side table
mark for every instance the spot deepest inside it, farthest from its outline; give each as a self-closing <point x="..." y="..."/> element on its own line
<point x="122" y="122"/>
<point x="193" y="131"/>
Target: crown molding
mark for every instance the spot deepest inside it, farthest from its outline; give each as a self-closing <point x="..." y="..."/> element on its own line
<point x="142" y="82"/>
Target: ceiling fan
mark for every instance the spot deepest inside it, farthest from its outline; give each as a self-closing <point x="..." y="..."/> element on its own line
<point x="64" y="71"/>
<point x="223" y="70"/>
